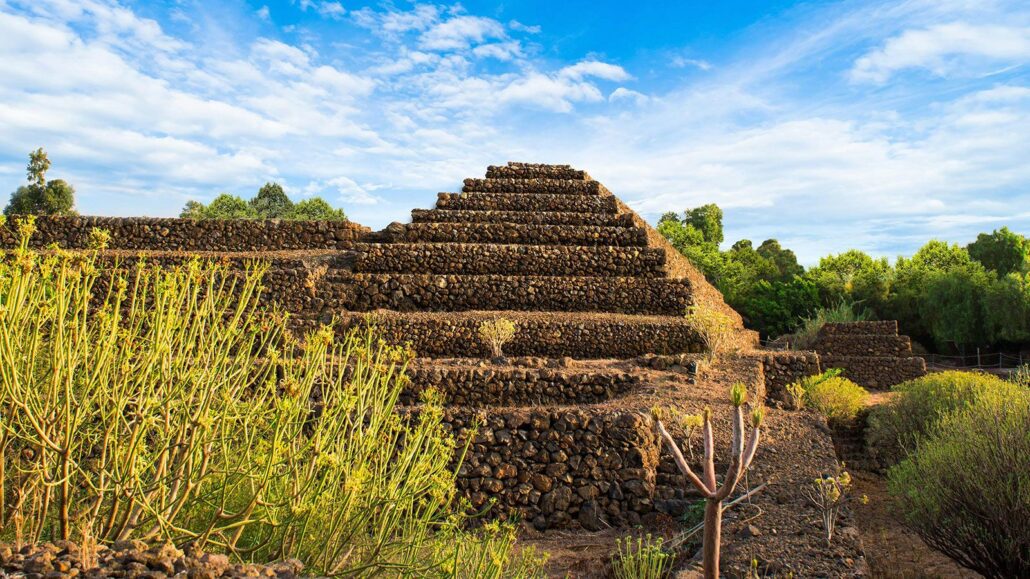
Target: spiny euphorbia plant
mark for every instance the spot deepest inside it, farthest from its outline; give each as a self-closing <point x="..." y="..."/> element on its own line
<point x="742" y="452"/>
<point x="163" y="404"/>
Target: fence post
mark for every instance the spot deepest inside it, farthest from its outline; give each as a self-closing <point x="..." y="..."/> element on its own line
<point x="978" y="362"/>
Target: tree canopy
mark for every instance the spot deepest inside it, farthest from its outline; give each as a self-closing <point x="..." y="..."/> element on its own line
<point x="41" y="197"/>
<point x="945" y="295"/>
<point x="271" y="202"/>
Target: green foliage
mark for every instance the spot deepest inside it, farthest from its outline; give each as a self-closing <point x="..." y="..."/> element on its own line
<point x="228" y="206"/>
<point x="774" y="308"/>
<point x="832" y="395"/>
<point x="270" y="202"/>
<point x="1002" y="251"/>
<point x="706" y="219"/>
<point x="316" y="209"/>
<point x="918" y="405"/>
<point x="805" y="336"/>
<point x="641" y="559"/>
<point x="41" y="197"/>
<point x="964" y="487"/>
<point x="1021" y="376"/>
<point x="164" y="404"/>
<point x="193" y="210"/>
<point x="951" y="296"/>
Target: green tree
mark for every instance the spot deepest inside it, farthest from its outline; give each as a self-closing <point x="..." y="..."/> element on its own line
<point x="708" y="220"/>
<point x="1002" y="251"/>
<point x="853" y="277"/>
<point x="774" y="308"/>
<point x="1006" y="309"/>
<point x="228" y="206"/>
<point x="193" y="210"/>
<point x="786" y="262"/>
<point x="271" y="202"/>
<point x="953" y="306"/>
<point x="316" y="209"/>
<point x="41" y="197"/>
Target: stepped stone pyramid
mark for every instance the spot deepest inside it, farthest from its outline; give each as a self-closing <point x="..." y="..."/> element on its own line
<point x="872" y="354"/>
<point x="564" y="436"/>
<point x="543" y="245"/>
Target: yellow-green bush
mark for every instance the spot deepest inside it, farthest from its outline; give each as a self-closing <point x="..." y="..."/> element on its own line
<point x="964" y="486"/>
<point x="831" y="394"/>
<point x="163" y="404"/>
<point x="895" y="427"/>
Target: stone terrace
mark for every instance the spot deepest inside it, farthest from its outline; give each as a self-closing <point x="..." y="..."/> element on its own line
<point x="871" y="354"/>
<point x="598" y="296"/>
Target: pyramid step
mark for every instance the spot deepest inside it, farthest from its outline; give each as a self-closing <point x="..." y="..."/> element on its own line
<point x="534" y="171"/>
<point x="542" y="218"/>
<point x="863" y="345"/>
<point x="524" y="202"/>
<point x="533" y="186"/>
<point x="453" y="293"/>
<point x="568" y="467"/>
<point x="476" y="383"/>
<point x="876" y="371"/>
<point x="547" y="334"/>
<point x="525" y="233"/>
<point x="479" y="258"/>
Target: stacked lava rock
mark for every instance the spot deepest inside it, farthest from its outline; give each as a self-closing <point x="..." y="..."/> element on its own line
<point x="872" y="354"/>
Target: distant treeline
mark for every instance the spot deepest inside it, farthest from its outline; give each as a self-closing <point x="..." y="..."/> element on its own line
<point x="56" y="197"/>
<point x="946" y="296"/>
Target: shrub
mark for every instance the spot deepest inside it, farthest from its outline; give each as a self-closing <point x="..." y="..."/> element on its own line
<point x="805" y="336"/>
<point x="963" y="488"/>
<point x="828" y="494"/>
<point x="834" y="396"/>
<point x="1021" y="376"/>
<point x="496" y="333"/>
<point x="163" y="404"/>
<point x="641" y="559"/>
<point x="919" y="404"/>
<point x="714" y="327"/>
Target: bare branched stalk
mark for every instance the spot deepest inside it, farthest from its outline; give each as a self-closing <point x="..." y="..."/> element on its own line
<point x="742" y="453"/>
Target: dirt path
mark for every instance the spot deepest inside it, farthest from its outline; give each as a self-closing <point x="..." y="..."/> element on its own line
<point x="891" y="550"/>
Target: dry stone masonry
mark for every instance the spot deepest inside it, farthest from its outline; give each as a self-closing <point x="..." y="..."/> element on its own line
<point x="546" y="246"/>
<point x="872" y="354"/>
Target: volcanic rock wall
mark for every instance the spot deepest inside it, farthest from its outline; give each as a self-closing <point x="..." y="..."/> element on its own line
<point x="872" y="354"/>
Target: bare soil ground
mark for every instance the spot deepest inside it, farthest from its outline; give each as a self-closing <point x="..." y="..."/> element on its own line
<point x="777" y="528"/>
<point x="892" y="550"/>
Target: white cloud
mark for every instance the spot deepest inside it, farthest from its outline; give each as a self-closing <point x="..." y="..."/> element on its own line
<point x="332" y="10"/>
<point x="264" y="14"/>
<point x="460" y="32"/>
<point x="681" y="62"/>
<point x="520" y="27"/>
<point x="945" y="49"/>
<point x="596" y="69"/>
<point x="623" y="94"/>
<point x="392" y="22"/>
<point x="431" y="94"/>
<point x="504" y="51"/>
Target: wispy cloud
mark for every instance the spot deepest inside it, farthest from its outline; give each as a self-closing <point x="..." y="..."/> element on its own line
<point x="872" y="125"/>
<point x="945" y="49"/>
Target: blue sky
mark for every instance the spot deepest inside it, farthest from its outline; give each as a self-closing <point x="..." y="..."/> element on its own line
<point x="826" y="125"/>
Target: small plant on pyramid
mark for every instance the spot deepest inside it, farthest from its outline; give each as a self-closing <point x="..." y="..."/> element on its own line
<point x="713" y="327"/>
<point x="496" y="333"/>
